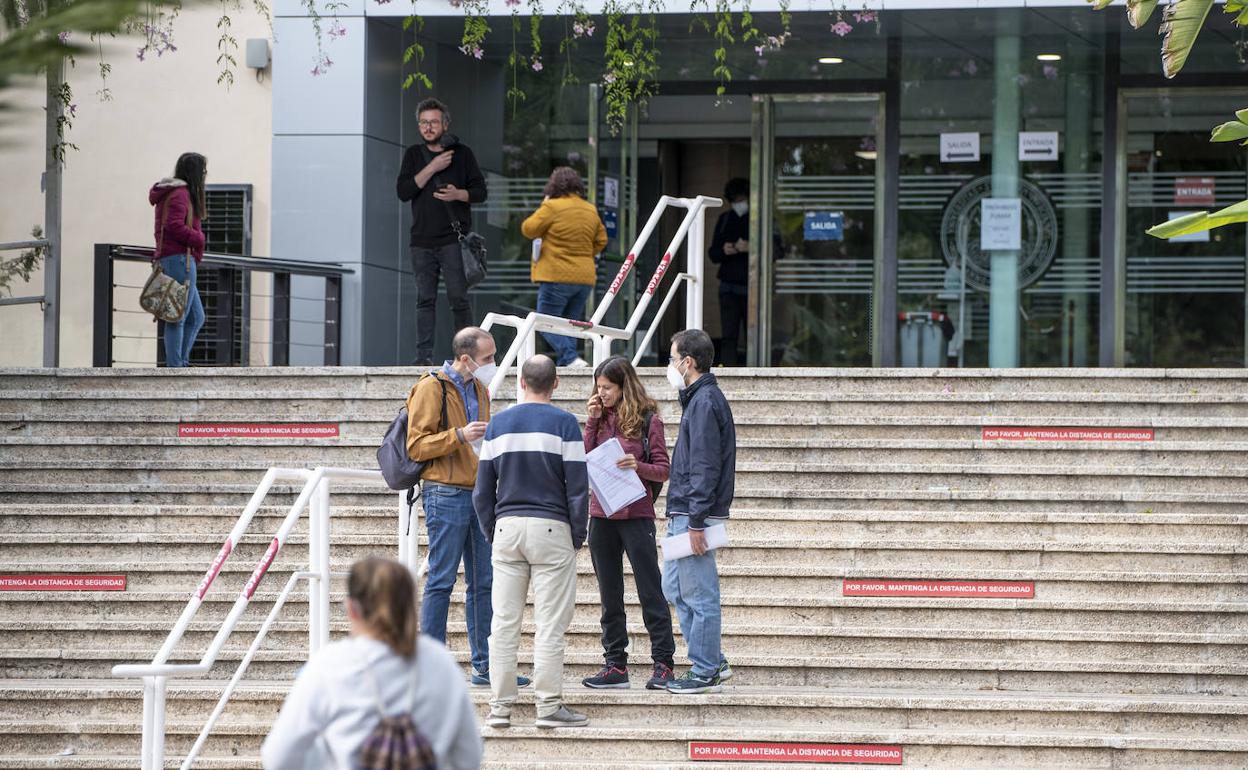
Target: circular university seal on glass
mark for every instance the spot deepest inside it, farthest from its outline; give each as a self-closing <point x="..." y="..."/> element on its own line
<point x="959" y="233"/>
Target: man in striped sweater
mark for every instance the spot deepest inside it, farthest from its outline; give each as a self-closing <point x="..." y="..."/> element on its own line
<point x="532" y="499"/>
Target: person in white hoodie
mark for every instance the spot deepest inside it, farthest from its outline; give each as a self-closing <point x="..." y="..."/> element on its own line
<point x="333" y="705"/>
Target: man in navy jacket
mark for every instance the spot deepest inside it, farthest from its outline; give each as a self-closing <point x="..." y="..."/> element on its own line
<point x="699" y="495"/>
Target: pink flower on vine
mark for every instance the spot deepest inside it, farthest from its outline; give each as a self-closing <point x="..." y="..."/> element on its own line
<point x="63" y="37"/>
<point x="513" y="3"/>
<point x="73" y="110"/>
<point x="475" y="51"/>
<point x="337" y="30"/>
<point x="537" y="65"/>
<point x="456" y="3"/>
<point x="608" y="78"/>
<point x="864" y="17"/>
<point x="842" y="28"/>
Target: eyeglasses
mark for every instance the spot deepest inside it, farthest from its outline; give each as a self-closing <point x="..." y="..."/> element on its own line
<point x="428" y="123"/>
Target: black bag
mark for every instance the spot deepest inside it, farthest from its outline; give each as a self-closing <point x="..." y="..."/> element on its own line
<point x="656" y="487"/>
<point x="398" y="469"/>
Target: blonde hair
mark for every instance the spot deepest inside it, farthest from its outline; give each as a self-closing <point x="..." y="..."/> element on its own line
<point x="635" y="403"/>
<point x="386" y="595"/>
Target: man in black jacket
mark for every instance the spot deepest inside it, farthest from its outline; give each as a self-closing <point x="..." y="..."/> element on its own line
<point x="441" y="178"/>
<point x="730" y="249"/>
<point x="699" y="493"/>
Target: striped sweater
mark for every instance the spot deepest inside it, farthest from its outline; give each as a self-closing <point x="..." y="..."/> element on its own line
<point x="533" y="464"/>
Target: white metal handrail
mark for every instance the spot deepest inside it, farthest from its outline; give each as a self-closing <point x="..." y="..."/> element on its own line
<point x="691" y="233"/>
<point x="315" y="497"/>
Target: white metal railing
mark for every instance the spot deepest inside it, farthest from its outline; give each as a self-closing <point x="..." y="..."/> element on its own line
<point x="691" y="233"/>
<point x="315" y="498"/>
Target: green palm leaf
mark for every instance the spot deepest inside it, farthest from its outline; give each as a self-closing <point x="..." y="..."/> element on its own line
<point x="1180" y="25"/>
<point x="1138" y="11"/>
<point x="1201" y="220"/>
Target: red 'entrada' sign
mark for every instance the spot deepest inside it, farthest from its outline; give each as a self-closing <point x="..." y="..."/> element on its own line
<point x="938" y="589"/>
<point x="258" y="430"/>
<point x="62" y="582"/>
<point x="1195" y="191"/>
<point x="1066" y="434"/>
<point x="806" y="753"/>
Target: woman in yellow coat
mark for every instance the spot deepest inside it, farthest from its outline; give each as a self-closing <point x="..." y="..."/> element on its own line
<point x="564" y="272"/>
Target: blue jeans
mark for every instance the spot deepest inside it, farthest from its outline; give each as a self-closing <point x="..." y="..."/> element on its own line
<point x="180" y="336"/>
<point x="454" y="534"/>
<point x="562" y="300"/>
<point x="692" y="585"/>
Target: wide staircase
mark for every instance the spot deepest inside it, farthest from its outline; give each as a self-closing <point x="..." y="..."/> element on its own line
<point x="1103" y="621"/>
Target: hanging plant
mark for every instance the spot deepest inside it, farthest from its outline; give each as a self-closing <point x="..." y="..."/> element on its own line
<point x="475" y="26"/>
<point x="577" y="25"/>
<point x="631" y="60"/>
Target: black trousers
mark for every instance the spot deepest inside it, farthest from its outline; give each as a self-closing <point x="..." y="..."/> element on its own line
<point x="734" y="304"/>
<point x="608" y="542"/>
<point x="427" y="264"/>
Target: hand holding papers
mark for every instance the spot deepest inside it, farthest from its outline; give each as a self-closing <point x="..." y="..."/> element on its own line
<point x="678" y="546"/>
<point x="614" y="487"/>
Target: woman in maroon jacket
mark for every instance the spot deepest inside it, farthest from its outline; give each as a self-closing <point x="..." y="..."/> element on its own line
<point x="179" y="202"/>
<point x="621" y="409"/>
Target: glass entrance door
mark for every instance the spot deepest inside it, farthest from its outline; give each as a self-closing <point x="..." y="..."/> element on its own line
<point x="1185" y="297"/>
<point x="818" y="196"/>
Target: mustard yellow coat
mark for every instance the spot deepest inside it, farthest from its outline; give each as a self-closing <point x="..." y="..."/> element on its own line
<point x="571" y="234"/>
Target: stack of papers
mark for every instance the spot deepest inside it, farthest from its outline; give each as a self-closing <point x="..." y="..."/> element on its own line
<point x="678" y="546"/>
<point x="614" y="487"/>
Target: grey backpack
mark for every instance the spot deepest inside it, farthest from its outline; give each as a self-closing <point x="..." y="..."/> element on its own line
<point x="398" y="469"/>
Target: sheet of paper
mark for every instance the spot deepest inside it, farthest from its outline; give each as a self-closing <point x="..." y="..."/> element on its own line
<point x="614" y="487"/>
<point x="537" y="249"/>
<point x="678" y="546"/>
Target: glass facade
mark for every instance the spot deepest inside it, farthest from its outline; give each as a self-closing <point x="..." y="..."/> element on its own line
<point x="932" y="188"/>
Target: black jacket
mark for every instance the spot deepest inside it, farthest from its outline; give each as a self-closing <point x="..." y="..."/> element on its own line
<point x="431" y="218"/>
<point x="704" y="465"/>
<point x="733" y="268"/>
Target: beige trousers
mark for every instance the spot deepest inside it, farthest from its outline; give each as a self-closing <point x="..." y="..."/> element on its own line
<point x="537" y="551"/>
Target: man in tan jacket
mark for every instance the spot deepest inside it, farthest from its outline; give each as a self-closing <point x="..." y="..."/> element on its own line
<point x="450" y="519"/>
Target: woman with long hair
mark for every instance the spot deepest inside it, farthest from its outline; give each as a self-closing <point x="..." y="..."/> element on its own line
<point x="383" y="667"/>
<point x="180" y="211"/>
<point x="564" y="270"/>
<point x="621" y="409"/>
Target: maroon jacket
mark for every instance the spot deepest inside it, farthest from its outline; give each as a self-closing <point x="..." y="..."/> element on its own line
<point x="599" y="430"/>
<point x="178" y="238"/>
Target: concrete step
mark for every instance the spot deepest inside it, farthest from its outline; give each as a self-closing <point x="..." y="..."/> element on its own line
<point x="828" y="524"/>
<point x="370" y="423"/>
<point x="70" y="639"/>
<point x="881" y="551"/>
<point x="866" y="671"/>
<point x="165" y="452"/>
<point x="751" y="476"/>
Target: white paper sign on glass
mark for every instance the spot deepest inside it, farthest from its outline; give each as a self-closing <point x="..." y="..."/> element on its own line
<point x="613" y="486"/>
<point x="678" y="546"/>
<point x="959" y="148"/>
<point x="611" y="192"/>
<point x="1037" y="145"/>
<point x="1001" y="224"/>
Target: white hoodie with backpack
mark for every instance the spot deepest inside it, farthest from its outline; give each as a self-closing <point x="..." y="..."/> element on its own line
<point x="332" y="708"/>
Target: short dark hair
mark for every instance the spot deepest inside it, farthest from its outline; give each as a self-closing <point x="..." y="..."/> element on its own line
<point x="539" y="374"/>
<point x="696" y="344"/>
<point x="736" y="188"/>
<point x="433" y="104"/>
<point x="564" y="181"/>
<point x="467" y="340"/>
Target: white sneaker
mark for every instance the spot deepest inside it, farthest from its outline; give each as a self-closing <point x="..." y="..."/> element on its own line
<point x="564" y="717"/>
<point x="579" y="363"/>
<point x="498" y="719"/>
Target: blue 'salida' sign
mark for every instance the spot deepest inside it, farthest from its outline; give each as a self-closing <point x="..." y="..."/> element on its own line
<point x="824" y="226"/>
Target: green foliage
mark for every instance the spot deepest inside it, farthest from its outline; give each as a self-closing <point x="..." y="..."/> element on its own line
<point x="22" y="265"/>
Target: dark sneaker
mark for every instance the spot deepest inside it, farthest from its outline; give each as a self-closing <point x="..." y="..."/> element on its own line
<point x="691" y="684"/>
<point x="724" y="672"/>
<point x="564" y="717"/>
<point x="611" y="677"/>
<point x="482" y="679"/>
<point x="498" y="719"/>
<point x="662" y="675"/>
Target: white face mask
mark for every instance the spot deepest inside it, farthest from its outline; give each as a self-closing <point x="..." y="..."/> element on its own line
<point x="675" y="378"/>
<point x="485" y="373"/>
<point x="741" y="207"/>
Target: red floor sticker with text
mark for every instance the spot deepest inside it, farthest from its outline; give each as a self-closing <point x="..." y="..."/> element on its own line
<point x="939" y="589"/>
<point x="809" y="753"/>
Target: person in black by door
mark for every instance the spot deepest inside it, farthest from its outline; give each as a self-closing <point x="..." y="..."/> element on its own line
<point x="441" y="178"/>
<point x="730" y="249"/>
